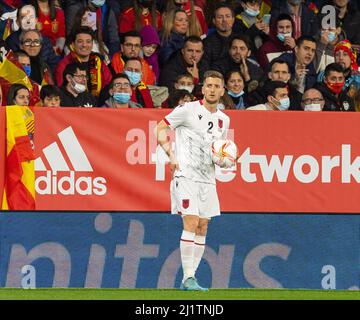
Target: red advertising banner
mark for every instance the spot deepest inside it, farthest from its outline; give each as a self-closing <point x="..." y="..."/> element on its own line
<point x="2" y="151"/>
<point x="103" y="159"/>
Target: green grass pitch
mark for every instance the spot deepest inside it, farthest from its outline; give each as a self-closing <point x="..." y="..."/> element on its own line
<point x="172" y="294"/>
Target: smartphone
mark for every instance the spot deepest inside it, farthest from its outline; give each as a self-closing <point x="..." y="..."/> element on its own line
<point x="266" y="18"/>
<point x="91" y="20"/>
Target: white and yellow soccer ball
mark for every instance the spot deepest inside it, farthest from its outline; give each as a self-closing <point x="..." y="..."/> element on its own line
<point x="224" y="153"/>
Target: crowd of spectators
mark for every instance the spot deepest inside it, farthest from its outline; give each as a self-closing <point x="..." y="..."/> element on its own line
<point x="274" y="55"/>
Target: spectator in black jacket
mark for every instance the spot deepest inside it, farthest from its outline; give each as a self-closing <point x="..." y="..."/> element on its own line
<point x="332" y="89"/>
<point x="247" y="22"/>
<point x="238" y="58"/>
<point x="187" y="60"/>
<point x="279" y="70"/>
<point x="349" y="17"/>
<point x="303" y="74"/>
<point x="217" y="43"/>
<point x="305" y="20"/>
<point x="26" y="19"/>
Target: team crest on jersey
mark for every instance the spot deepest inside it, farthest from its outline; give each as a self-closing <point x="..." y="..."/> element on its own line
<point x="220" y="123"/>
<point x="185" y="203"/>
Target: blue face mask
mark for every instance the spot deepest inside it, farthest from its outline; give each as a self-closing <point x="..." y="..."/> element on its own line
<point x="281" y="36"/>
<point x="134" y="77"/>
<point x="121" y="97"/>
<point x="97" y="3"/>
<point x="284" y="104"/>
<point x="251" y="12"/>
<point x="27" y="70"/>
<point x="235" y="95"/>
<point x="331" y="36"/>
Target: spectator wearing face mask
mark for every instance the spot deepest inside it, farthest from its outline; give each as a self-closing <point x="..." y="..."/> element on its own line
<point x="140" y="92"/>
<point x="312" y="100"/>
<point x="234" y="85"/>
<point x="27" y="20"/>
<point x="326" y="40"/>
<point x="185" y="82"/>
<point x="332" y="89"/>
<point x="280" y="40"/>
<point x="74" y="92"/>
<point x="120" y="93"/>
<point x="31" y="42"/>
<point x="247" y="22"/>
<point x="277" y="97"/>
<point x="305" y="20"/>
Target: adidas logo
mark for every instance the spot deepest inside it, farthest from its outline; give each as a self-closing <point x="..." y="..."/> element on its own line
<point x="62" y="178"/>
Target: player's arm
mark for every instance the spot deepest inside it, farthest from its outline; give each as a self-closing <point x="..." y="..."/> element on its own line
<point x="162" y="138"/>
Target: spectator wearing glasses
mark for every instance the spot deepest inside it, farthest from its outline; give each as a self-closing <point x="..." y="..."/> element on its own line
<point x="31" y="42"/>
<point x="74" y="92"/>
<point x="27" y="20"/>
<point x="120" y="93"/>
<point x="312" y="100"/>
<point x="130" y="47"/>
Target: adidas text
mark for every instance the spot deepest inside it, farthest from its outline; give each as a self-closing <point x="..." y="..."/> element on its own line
<point x="69" y="184"/>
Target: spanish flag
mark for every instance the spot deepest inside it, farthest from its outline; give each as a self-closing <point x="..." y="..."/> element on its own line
<point x="19" y="193"/>
<point x="11" y="71"/>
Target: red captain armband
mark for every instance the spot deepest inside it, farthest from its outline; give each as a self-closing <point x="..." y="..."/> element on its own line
<point x="196" y="80"/>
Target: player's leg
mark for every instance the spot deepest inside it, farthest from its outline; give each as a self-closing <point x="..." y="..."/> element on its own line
<point x="187" y="245"/>
<point x="199" y="241"/>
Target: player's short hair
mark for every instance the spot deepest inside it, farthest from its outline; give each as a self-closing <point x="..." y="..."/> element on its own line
<point x="213" y="74"/>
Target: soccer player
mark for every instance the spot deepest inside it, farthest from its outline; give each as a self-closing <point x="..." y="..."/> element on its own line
<point x="193" y="188"/>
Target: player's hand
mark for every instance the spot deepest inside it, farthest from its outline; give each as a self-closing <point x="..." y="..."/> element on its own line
<point x="173" y="167"/>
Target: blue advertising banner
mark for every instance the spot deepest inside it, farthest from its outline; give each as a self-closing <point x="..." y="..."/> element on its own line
<point x="140" y="250"/>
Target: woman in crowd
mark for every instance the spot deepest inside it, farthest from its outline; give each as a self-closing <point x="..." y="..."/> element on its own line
<point x="18" y="95"/>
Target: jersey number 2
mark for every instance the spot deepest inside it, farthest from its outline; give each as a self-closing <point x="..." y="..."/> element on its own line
<point x="211" y="124"/>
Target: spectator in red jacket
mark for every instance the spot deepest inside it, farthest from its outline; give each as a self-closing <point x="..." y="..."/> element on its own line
<point x="99" y="73"/>
<point x="280" y="40"/>
<point x="141" y="14"/>
<point x="51" y="22"/>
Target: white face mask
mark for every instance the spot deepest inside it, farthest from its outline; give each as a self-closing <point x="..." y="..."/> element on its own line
<point x="78" y="87"/>
<point x="312" y="107"/>
<point x="187" y="88"/>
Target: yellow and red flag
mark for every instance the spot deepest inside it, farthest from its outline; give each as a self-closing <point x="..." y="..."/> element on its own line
<point x="19" y="193"/>
<point x="7" y="30"/>
<point x="11" y="71"/>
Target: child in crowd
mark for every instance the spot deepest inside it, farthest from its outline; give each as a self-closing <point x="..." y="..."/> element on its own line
<point x="50" y="96"/>
<point x="150" y="42"/>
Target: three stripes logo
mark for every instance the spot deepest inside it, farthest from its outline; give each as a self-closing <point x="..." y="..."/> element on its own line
<point x="68" y="164"/>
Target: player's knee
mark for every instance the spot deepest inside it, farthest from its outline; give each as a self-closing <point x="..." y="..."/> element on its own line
<point x="191" y="223"/>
